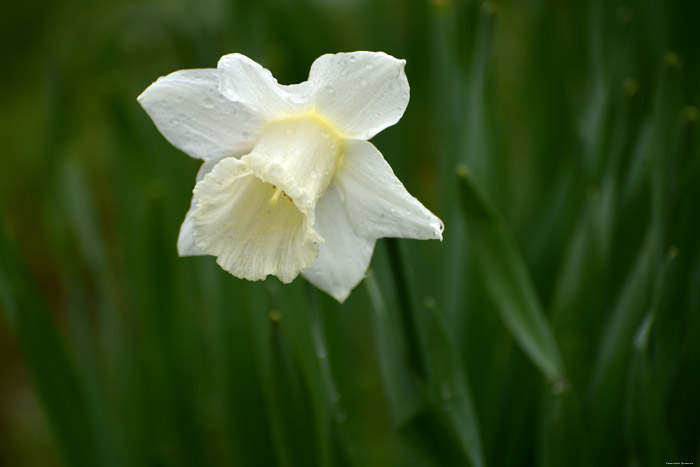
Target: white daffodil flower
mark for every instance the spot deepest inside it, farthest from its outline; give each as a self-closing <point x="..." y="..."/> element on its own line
<point x="289" y="184"/>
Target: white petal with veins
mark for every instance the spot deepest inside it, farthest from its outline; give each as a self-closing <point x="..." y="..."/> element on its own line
<point x="377" y="202"/>
<point x="245" y="81"/>
<point x="195" y="117"/>
<point x="251" y="238"/>
<point x="185" y="240"/>
<point x="344" y="256"/>
<point x="360" y="92"/>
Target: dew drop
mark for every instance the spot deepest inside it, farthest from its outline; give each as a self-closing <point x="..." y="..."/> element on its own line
<point x="363" y="82"/>
<point x="340" y="417"/>
<point x="369" y="67"/>
<point x="297" y="152"/>
<point x="208" y="103"/>
<point x="289" y="131"/>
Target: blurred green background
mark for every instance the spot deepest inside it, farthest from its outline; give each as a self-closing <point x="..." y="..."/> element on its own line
<point x="558" y="323"/>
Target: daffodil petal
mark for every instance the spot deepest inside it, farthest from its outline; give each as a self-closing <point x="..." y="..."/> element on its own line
<point x="185" y="241"/>
<point x="188" y="109"/>
<point x="377" y="202"/>
<point x="344" y="256"/>
<point x="360" y="92"/>
<point x="298" y="155"/>
<point x="251" y="237"/>
<point x="244" y="80"/>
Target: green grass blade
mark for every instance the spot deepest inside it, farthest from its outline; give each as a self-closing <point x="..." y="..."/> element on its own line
<point x="448" y="385"/>
<point x="401" y="387"/>
<point x="327" y="399"/>
<point x="288" y="404"/>
<point x="649" y="437"/>
<point x="509" y="283"/>
<point x="615" y="348"/>
<point x="563" y="437"/>
<point x="56" y="379"/>
<point x="407" y="313"/>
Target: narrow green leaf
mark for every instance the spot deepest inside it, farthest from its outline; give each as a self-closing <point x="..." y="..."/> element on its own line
<point x="407" y="318"/>
<point x="634" y="298"/>
<point x="612" y="360"/>
<point x="649" y="438"/>
<point x="327" y="400"/>
<point x="448" y="385"/>
<point x="287" y="402"/>
<point x="401" y="386"/>
<point x="508" y="280"/>
<point x="563" y="437"/>
<point x="647" y="429"/>
<point x="302" y="325"/>
<point x="56" y="379"/>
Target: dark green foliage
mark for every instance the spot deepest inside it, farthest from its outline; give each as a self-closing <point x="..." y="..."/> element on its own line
<point x="557" y="324"/>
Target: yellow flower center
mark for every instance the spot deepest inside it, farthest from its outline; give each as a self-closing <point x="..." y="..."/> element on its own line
<point x="298" y="154"/>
